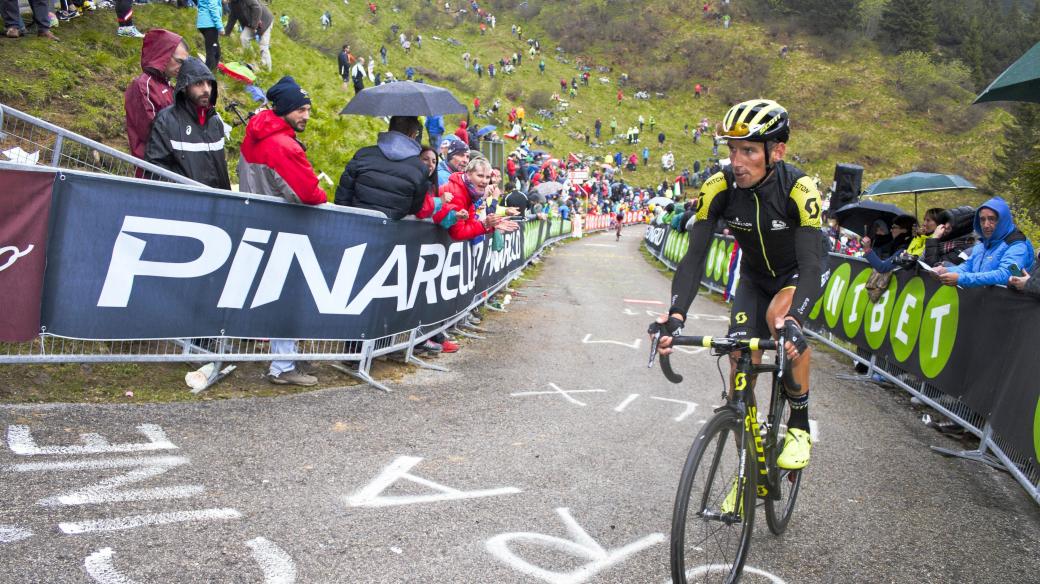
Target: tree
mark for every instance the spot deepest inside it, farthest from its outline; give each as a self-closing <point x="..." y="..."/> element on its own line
<point x="1021" y="143"/>
<point x="909" y="25"/>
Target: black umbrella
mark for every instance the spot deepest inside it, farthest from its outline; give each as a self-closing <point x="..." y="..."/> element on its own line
<point x="859" y="216"/>
<point x="404" y="98"/>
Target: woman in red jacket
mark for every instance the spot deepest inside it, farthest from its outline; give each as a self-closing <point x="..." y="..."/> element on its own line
<point x="467" y="200"/>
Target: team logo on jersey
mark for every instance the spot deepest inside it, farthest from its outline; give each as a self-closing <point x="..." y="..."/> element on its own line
<point x="738" y="224"/>
<point x="779" y="225"/>
<point x="740" y="318"/>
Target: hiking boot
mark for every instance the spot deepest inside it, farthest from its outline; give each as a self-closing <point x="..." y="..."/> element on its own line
<point x="797" y="448"/>
<point x="129" y="31"/>
<point x="292" y="377"/>
<point x="449" y="346"/>
<point x="47" y="34"/>
<point x="12" y="32"/>
<point x="729" y="504"/>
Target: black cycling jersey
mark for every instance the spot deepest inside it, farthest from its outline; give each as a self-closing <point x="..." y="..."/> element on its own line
<point x="777" y="225"/>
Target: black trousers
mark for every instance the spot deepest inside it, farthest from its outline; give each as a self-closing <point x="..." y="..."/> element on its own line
<point x="211" y="36"/>
<point x="124" y="12"/>
<point x="40" y="10"/>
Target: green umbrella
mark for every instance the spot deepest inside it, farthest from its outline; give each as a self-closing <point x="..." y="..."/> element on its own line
<point x="917" y="182"/>
<point x="1019" y="82"/>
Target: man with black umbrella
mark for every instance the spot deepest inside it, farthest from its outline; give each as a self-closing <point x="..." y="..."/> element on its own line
<point x="387" y="177"/>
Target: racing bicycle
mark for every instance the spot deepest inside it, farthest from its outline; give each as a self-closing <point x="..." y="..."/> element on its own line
<point x="731" y="464"/>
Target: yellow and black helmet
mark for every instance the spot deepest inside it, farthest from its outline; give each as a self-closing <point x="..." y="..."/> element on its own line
<point x="757" y="120"/>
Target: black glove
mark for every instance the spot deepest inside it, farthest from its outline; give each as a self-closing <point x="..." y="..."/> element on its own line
<point x="794" y="334"/>
<point x="669" y="328"/>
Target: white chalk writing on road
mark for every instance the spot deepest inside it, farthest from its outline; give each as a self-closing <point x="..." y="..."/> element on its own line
<point x="371" y="495"/>
<point x="581" y="545"/>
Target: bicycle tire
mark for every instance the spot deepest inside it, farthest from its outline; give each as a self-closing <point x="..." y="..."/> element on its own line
<point x="708" y="475"/>
<point x="779" y="510"/>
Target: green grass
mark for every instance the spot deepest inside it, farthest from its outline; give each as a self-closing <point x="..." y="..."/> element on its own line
<point x="846" y="110"/>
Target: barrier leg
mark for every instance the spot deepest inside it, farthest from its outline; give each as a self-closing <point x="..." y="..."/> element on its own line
<point x="364" y="367"/>
<point x="867" y="377"/>
<point x="468" y="335"/>
<point x="980" y="454"/>
<point x="409" y="356"/>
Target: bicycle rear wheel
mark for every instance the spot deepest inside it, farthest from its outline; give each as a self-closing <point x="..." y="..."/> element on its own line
<point x="704" y="539"/>
<point x="785" y="483"/>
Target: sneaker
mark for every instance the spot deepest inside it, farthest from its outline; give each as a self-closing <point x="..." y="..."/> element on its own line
<point x="473" y="320"/>
<point x="65" y="15"/>
<point x="449" y="346"/>
<point x="431" y="346"/>
<point x="797" y="448"/>
<point x="729" y="504"/>
<point x="129" y="31"/>
<point x="12" y="32"/>
<point x="47" y="34"/>
<point x="292" y="377"/>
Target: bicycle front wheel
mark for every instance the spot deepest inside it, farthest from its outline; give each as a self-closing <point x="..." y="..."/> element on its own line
<point x="784" y="483"/>
<point x="714" y="509"/>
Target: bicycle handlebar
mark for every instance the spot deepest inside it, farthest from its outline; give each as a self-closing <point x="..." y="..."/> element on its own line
<point x="725" y="345"/>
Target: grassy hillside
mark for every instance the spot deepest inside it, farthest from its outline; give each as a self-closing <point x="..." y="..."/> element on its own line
<point x="890" y="114"/>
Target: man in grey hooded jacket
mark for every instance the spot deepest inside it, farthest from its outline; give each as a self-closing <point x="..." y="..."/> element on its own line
<point x="387" y="177"/>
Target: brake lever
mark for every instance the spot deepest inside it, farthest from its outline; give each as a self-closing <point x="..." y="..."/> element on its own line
<point x="654" y="340"/>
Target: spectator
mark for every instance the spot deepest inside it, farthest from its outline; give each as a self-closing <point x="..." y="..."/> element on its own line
<point x="646" y="155"/>
<point x="598" y="127"/>
<point x="653" y="122"/>
<point x="467" y="190"/>
<point x="210" y="23"/>
<point x="620" y="96"/>
<point x="273" y="162"/>
<point x="541" y="67"/>
<point x="1028" y="282"/>
<point x="697" y="89"/>
<point x="372" y="70"/>
<point x="382" y="54"/>
<point x="435" y="129"/>
<point x="902" y="236"/>
<point x="124" y="20"/>
<point x="409" y="73"/>
<point x="660" y="138"/>
<point x="456" y="158"/>
<point x="345" y="61"/>
<point x="14" y="27"/>
<point x="952" y="238"/>
<point x="1000" y="247"/>
<point x="162" y="53"/>
<point x="256" y="22"/>
<point x="613" y="126"/>
<point x="387" y="177"/>
<point x="461" y="132"/>
<point x="357" y="75"/>
<point x="188" y="136"/>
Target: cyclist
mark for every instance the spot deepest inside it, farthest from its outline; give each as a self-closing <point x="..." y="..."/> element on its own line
<point x="618" y="224"/>
<point x="773" y="211"/>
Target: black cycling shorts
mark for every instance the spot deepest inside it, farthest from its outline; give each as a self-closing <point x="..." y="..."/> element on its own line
<point x="747" y="319"/>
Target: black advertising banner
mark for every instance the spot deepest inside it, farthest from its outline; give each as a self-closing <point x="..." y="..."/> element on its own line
<point x="973" y="344"/>
<point x="976" y="344"/>
<point x="25" y="208"/>
<point x="133" y="261"/>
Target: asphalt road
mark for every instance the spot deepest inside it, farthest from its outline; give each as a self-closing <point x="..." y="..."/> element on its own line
<point x="491" y="472"/>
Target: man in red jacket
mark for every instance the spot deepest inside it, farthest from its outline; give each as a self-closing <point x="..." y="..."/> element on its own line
<point x="161" y="56"/>
<point x="273" y="162"/>
<point x="462" y="133"/>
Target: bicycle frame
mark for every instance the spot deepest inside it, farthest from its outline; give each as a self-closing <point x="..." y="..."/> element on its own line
<point x="743" y="402"/>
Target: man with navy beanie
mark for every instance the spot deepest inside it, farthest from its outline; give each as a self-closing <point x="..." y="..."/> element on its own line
<point x="273" y="161"/>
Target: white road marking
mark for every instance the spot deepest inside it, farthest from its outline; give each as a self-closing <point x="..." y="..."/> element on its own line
<point x="99" y="567"/>
<point x="597" y="245"/>
<point x="690" y="407"/>
<point x="370" y="495"/>
<point x="691" y="350"/>
<point x="631" y="398"/>
<point x="131" y="522"/>
<point x="635" y="345"/>
<point x="636" y="301"/>
<point x="278" y="567"/>
<point x="10" y="533"/>
<point x="20" y="441"/>
<point x="580" y="545"/>
<point x="106" y="491"/>
<point x="557" y="390"/>
<point x="628" y="311"/>
<point x="704" y="570"/>
<point x="814" y="431"/>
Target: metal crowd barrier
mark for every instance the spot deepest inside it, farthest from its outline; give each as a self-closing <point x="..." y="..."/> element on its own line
<point x="62" y="149"/>
<point x="992" y="450"/>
